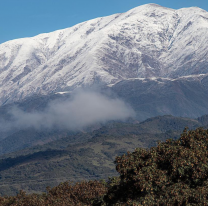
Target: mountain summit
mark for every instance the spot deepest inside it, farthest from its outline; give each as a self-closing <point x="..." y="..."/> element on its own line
<point x="149" y="41"/>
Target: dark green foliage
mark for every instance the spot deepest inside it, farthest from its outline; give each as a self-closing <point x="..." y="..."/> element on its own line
<point x="83" y="193"/>
<point x="173" y="173"/>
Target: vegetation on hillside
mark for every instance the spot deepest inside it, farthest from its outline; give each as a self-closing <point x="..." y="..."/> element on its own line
<point x="175" y="172"/>
<point x="85" y="155"/>
<point x="83" y="193"/>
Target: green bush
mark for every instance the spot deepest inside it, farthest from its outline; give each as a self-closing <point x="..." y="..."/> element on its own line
<point x="173" y="173"/>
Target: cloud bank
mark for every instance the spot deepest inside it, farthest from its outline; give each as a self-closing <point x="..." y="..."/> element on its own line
<point x="84" y="109"/>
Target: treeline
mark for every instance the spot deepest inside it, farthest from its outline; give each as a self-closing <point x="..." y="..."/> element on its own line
<point x="173" y="173"/>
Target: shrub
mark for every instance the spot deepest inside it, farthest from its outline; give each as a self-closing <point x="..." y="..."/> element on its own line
<point x="173" y="173"/>
<point x="82" y="193"/>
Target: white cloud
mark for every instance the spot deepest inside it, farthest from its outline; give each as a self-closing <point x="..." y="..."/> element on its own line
<point x="85" y="109"/>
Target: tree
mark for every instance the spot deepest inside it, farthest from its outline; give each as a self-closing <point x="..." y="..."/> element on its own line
<point x="173" y="173"/>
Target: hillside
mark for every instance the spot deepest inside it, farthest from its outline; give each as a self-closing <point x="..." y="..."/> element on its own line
<point x="182" y="97"/>
<point x="173" y="173"/>
<point x="35" y="168"/>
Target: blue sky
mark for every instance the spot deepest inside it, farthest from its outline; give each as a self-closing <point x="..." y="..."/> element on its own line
<point x="26" y="18"/>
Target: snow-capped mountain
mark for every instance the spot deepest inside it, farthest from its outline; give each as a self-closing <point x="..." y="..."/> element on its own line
<point x="149" y="41"/>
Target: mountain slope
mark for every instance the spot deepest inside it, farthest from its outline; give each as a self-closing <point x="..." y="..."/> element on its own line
<point x="184" y="97"/>
<point x="147" y="41"/>
<point x="47" y="165"/>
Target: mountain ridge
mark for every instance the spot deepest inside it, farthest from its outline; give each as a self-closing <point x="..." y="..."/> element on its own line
<point x="145" y="42"/>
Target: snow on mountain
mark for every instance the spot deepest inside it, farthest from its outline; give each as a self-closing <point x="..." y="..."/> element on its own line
<point x="148" y="41"/>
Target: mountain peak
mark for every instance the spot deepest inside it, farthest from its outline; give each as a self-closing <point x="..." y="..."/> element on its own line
<point x="151" y="6"/>
<point x="155" y="5"/>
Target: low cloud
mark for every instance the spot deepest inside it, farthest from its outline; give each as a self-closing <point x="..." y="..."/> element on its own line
<point x="84" y="109"/>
